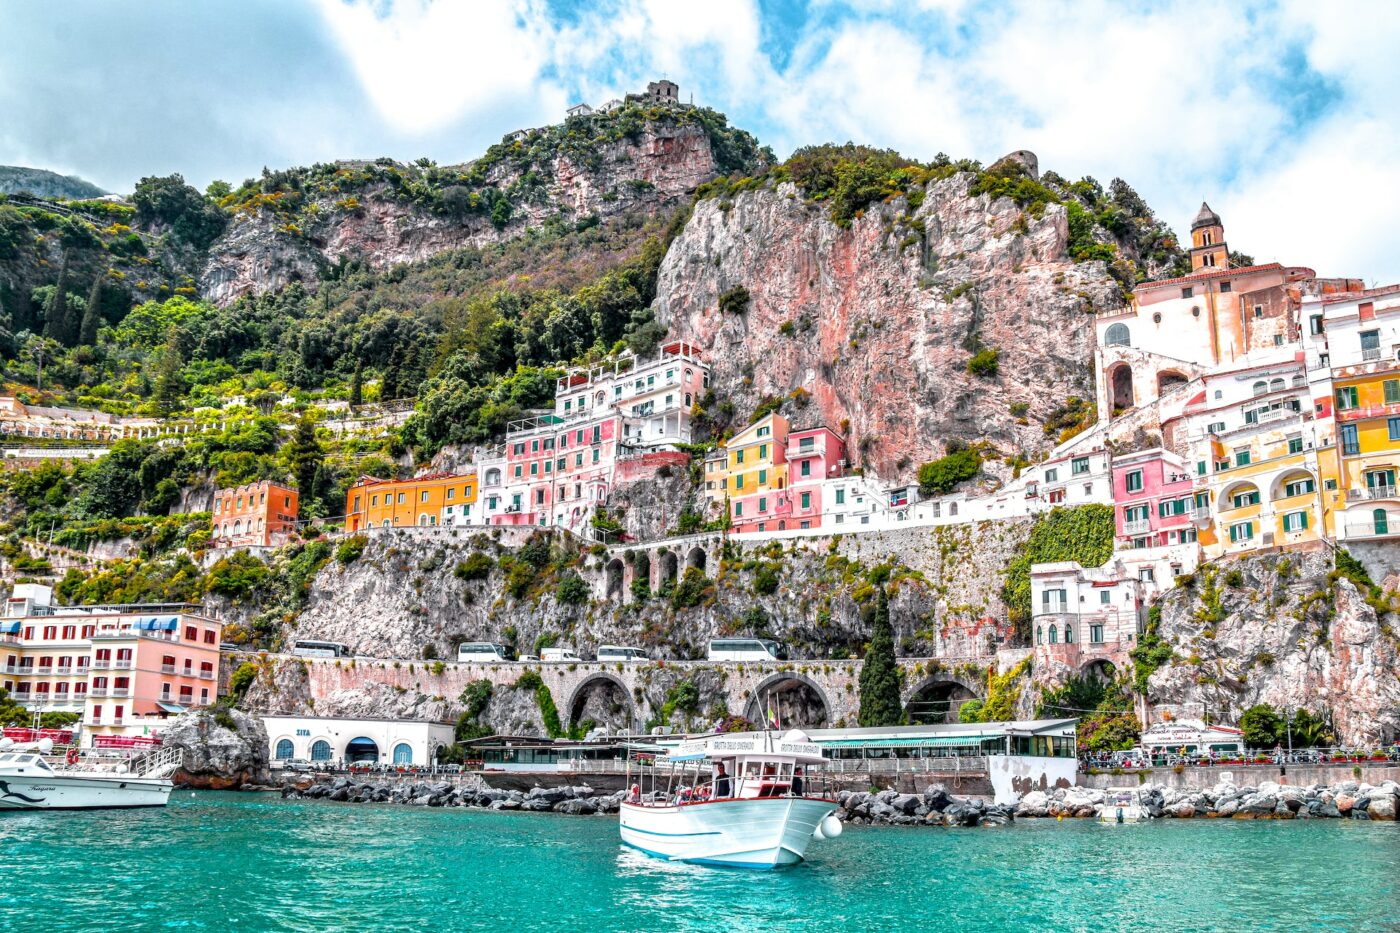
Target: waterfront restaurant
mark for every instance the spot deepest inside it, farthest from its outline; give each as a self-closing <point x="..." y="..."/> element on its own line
<point x="532" y="753"/>
<point x="335" y="741"/>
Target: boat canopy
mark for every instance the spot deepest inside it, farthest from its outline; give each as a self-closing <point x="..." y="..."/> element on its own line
<point x="793" y="746"/>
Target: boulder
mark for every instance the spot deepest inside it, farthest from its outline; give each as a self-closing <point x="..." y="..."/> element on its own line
<point x="906" y="803"/>
<point x="1228" y="807"/>
<point x="1381" y="807"/>
<point x="222" y="748"/>
<point x="1345" y="801"/>
<point x="936" y="797"/>
<point x="577" y="806"/>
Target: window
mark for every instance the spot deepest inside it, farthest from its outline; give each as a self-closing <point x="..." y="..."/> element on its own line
<point x="1278" y="340"/>
<point x="1169" y="507"/>
<point x="1134" y="481"/>
<point x="1242" y="457"/>
<point x="320" y="750"/>
<point x="1079" y="465"/>
<point x="764" y="431"/>
<point x="841" y="497"/>
<point x="401" y="498"/>
<point x="451" y="493"/>
<point x="1370" y="341"/>
<point x="284" y="748"/>
<point x="1186" y="292"/>
<point x="1315" y="324"/>
<point x="1200" y="468"/>
<point x="763" y="503"/>
<point x="1054" y="635"/>
<point x="739" y="481"/>
<point x="806" y="469"/>
<point x="1105" y="597"/>
<point x="1216" y="427"/>
<point x="1295" y="445"/>
<point x="1096" y="633"/>
<point x="762" y="477"/>
<point x="595" y="455"/>
<point x="763" y="451"/>
<point x="1069" y="634"/>
<point x="806" y="500"/>
<point x="1225" y="288"/>
<point x="1393" y="426"/>
<point x="1039" y="635"/>
<point x="1258" y="310"/>
<point x="1299" y="487"/>
<point x="1117" y="335"/>
<point x="1295" y="521"/>
<point x="1051" y="475"/>
<point x="1052" y="601"/>
<point x="738" y="509"/>
<point x="1381" y="521"/>
<point x="1392" y="391"/>
<point x="1350" y="445"/>
<point x="1241" y="532"/>
<point x="1261" y="387"/>
<point x="1241" y="499"/>
<point x="191" y="633"/>
<point x="739" y="456"/>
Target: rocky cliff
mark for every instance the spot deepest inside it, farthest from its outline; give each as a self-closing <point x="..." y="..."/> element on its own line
<point x="873" y="326"/>
<point x="223" y="748"/>
<point x="293" y="225"/>
<point x="1281" y="630"/>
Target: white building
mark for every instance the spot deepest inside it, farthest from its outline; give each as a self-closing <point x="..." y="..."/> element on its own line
<point x="1091" y="606"/>
<point x="334" y="740"/>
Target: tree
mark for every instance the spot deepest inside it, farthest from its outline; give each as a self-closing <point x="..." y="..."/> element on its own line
<point x="938" y="477"/>
<point x="879" y="676"/>
<point x="169" y="202"/>
<point x="170" y="376"/>
<point x="305" y="455"/>
<point x="58" y="324"/>
<point x="92" y="315"/>
<point x="12" y="713"/>
<point x="357" y="385"/>
<point x="1261" y="726"/>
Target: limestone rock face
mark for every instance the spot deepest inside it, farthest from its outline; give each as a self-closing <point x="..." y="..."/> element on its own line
<point x="877" y="322"/>
<point x="1288" y="637"/>
<point x="216" y="756"/>
<point x="258" y="253"/>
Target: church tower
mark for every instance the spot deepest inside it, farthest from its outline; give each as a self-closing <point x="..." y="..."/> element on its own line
<point x="1208" y="250"/>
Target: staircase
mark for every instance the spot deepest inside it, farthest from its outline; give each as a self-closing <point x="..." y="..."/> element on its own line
<point x="158" y="763"/>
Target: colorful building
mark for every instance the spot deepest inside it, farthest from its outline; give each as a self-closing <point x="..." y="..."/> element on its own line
<point x="1353" y="358"/>
<point x="772" y="478"/>
<point x="256" y="515"/>
<point x="1153" y="499"/>
<point x="422" y="501"/>
<point x="125" y="669"/>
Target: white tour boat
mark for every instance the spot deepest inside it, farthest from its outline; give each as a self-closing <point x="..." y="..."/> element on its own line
<point x="29" y="782"/>
<point x="745" y="799"/>
<point x="1121" y="805"/>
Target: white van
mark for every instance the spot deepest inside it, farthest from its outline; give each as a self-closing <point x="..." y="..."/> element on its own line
<point x="620" y="653"/>
<point x="556" y="655"/>
<point x="745" y="649"/>
<point x="481" y="652"/>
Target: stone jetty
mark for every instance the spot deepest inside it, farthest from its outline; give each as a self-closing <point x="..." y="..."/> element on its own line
<point x="1264" y="801"/>
<point x="578" y="800"/>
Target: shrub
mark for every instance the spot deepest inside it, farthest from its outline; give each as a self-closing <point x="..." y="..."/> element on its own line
<point x="880" y="675"/>
<point x="241" y="679"/>
<point x="984" y="363"/>
<point x="693" y="589"/>
<point x="477" y="566"/>
<point x="1261" y="726"/>
<point x="572" y="591"/>
<point x="351" y="548"/>
<point x="765" y="581"/>
<point x="544" y="700"/>
<point x="1082" y="533"/>
<point x="237" y="576"/>
<point x="940" y="476"/>
<point x="735" y="300"/>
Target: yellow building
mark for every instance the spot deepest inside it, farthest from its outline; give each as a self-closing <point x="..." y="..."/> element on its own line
<point x="750" y="473"/>
<point x="432" y="499"/>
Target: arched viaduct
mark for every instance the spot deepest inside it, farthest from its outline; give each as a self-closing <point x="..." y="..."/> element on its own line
<point x="659" y="563"/>
<point x="800" y="693"/>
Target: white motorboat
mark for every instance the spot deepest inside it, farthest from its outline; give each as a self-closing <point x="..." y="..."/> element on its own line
<point x="1121" y="805"/>
<point x="748" y="799"/>
<point x="29" y="782"/>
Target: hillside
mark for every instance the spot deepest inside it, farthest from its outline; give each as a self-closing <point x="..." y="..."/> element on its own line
<point x="41" y="183"/>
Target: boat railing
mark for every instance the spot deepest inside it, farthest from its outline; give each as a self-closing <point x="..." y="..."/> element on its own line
<point x="159" y="762"/>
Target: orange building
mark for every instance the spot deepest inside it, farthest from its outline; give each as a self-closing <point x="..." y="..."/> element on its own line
<point x="259" y="514"/>
<point x="431" y="499"/>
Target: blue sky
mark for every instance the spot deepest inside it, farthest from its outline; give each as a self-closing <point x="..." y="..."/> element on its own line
<point x="1281" y="114"/>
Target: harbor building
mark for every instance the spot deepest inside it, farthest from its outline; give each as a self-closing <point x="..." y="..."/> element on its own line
<point x="257" y="515"/>
<point x="339" y="742"/>
<point x="124" y="669"/>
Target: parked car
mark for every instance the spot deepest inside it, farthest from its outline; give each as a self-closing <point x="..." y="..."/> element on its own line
<point x="297" y="764"/>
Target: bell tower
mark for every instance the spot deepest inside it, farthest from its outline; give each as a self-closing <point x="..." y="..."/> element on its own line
<point x="1208" y="250"/>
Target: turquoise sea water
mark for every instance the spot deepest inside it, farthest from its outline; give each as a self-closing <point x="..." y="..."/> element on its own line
<point x="225" y="862"/>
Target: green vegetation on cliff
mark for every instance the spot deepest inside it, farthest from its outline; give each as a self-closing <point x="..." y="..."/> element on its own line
<point x="1082" y="533"/>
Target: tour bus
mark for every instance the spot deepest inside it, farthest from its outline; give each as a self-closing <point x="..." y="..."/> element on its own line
<point x="620" y="653"/>
<point x="556" y="655"/>
<point x="320" y="649"/>
<point x="745" y="649"/>
<point x="481" y="651"/>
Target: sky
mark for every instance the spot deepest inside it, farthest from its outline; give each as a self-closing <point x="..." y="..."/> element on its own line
<point x="1281" y="114"/>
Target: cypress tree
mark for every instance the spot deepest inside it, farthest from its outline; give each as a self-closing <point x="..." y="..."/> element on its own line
<point x="92" y="315"/>
<point x="879" y="675"/>
<point x="170" y="376"/>
<point x="305" y="456"/>
<point x="56" y="308"/>
<point x="357" y="385"/>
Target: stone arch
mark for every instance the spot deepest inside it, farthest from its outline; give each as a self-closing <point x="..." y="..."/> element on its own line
<point x="937" y="700"/>
<point x="603" y="694"/>
<point x="696" y="558"/>
<point x="361" y="749"/>
<point x="667" y="567"/>
<point x="1227" y="495"/>
<point x="1169" y="379"/>
<point x="1100" y="670"/>
<point x="1120" y="387"/>
<point x="641" y="568"/>
<point x="798" y="701"/>
<point x="1117" y="335"/>
<point x="613" y="578"/>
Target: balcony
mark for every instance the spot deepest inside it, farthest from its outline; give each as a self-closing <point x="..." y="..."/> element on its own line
<point x="185" y="700"/>
<point x="122" y="664"/>
<point x="206" y="675"/>
<point x="15" y="669"/>
<point x="44" y="669"/>
<point x="1370" y="530"/>
<point x="118" y="720"/>
<point x="97" y="692"/>
<point x="1372" y="492"/>
<point x="1201" y="513"/>
<point x="1139" y="527"/>
<point x="100" y="663"/>
<point x="121" y="691"/>
<point x="1368" y="354"/>
<point x="1368" y="411"/>
<point x="167" y="668"/>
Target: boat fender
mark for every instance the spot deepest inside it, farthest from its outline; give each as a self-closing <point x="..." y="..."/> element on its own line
<point x="830" y="827"/>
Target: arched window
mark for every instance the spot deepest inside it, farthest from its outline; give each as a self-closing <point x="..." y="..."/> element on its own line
<point x="403" y="754"/>
<point x="320" y="750"/>
<point x="385" y="523"/>
<point x="1261" y="388"/>
<point x="423" y="519"/>
<point x="284" y="748"/>
<point x="1054" y="635"/>
<point x="1069" y="634"/>
<point x="1039" y="635"/>
<point x="1276" y="384"/>
<point x="1117" y="336"/>
<point x="493" y="477"/>
<point x="1382" y="521"/>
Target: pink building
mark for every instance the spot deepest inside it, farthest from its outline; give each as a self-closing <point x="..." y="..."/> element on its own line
<point x="1153" y="500"/>
<point x="123" y="668"/>
<point x="813" y="457"/>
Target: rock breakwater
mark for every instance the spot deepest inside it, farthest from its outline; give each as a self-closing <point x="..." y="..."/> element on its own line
<point x="576" y="800"/>
<point x="1264" y="801"/>
<point x="934" y="807"/>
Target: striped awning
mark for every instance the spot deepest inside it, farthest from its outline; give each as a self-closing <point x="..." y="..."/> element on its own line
<point x="10" y="627"/>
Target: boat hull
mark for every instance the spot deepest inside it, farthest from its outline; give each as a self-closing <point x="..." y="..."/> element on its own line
<point x="60" y="792"/>
<point x="764" y="832"/>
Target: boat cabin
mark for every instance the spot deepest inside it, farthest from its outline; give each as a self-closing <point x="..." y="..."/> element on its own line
<point x="21" y="763"/>
<point x="742" y="766"/>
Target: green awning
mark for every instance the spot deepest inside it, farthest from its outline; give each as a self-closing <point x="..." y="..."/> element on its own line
<point x="930" y="741"/>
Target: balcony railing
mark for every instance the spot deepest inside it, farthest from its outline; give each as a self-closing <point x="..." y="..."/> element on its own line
<point x="98" y="692"/>
<point x="1201" y="513"/>
<point x="44" y="669"/>
<point x="118" y="720"/>
<point x="121" y="691"/>
<point x="122" y="663"/>
<point x="1373" y="492"/>
<point x="1372" y="530"/>
<point x="1139" y="527"/>
<point x="167" y="668"/>
<point x="1368" y="411"/>
<point x="100" y="663"/>
<point x="1370" y="353"/>
<point x="206" y="675"/>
